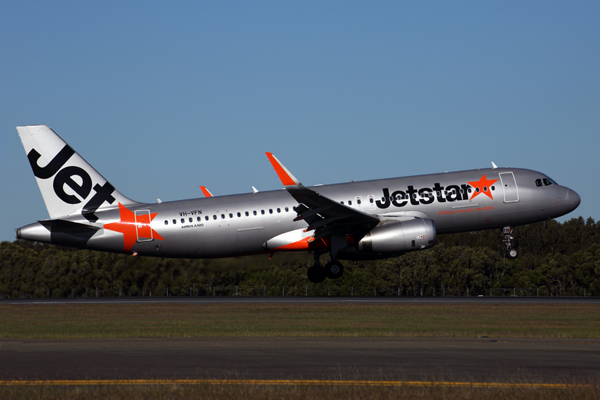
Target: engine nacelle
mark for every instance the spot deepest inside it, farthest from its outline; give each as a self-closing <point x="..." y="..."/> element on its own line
<point x="396" y="237"/>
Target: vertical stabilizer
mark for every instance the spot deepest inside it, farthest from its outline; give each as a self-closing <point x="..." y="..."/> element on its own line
<point x="69" y="185"/>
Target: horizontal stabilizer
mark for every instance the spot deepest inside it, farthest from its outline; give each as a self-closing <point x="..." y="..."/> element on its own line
<point x="60" y="225"/>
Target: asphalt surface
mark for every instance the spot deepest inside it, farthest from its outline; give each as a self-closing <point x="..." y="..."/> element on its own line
<point x="301" y="299"/>
<point x="449" y="359"/>
<point x="480" y="360"/>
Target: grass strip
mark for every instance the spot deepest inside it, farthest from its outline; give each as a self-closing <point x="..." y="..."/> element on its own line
<point x="317" y="392"/>
<point x="93" y="321"/>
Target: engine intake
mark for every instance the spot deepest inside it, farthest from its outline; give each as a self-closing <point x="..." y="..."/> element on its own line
<point x="415" y="234"/>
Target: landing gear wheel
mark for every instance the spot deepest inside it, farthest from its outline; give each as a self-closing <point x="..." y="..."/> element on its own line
<point x="334" y="269"/>
<point x="510" y="251"/>
<point x="316" y="274"/>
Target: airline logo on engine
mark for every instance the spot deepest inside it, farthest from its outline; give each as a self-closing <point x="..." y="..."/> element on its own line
<point x="439" y="193"/>
<point x="65" y="176"/>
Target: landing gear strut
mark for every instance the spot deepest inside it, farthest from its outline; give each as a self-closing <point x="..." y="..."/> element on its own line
<point x="510" y="251"/>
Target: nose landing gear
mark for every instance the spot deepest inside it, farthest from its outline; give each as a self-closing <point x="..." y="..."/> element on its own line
<point x="510" y="251"/>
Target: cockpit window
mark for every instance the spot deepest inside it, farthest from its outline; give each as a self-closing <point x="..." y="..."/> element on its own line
<point x="538" y="182"/>
<point x="547" y="182"/>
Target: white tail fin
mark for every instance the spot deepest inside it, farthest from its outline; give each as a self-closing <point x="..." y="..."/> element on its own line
<point x="69" y="185"/>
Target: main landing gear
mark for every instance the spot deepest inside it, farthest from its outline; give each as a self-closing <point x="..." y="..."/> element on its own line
<point x="510" y="251"/>
<point x="332" y="270"/>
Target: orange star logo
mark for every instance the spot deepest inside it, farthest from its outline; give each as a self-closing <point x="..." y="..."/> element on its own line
<point x="482" y="186"/>
<point x="133" y="229"/>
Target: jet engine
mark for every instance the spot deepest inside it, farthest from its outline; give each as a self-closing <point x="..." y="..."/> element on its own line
<point x="396" y="237"/>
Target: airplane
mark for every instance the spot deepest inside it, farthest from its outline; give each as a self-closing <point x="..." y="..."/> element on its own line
<point x="364" y="220"/>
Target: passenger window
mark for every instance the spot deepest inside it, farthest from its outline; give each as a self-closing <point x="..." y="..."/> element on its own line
<point x="230" y="215"/>
<point x="262" y="212"/>
<point x="254" y="212"/>
<point x="222" y="216"/>
<point x="286" y="209"/>
<point x="239" y="214"/>
<point x="206" y="218"/>
<point x="214" y="217"/>
<point x="341" y="202"/>
<point x="182" y="221"/>
<point x="358" y="202"/>
<point x="371" y="200"/>
<point x="191" y="219"/>
<point x="349" y="202"/>
<point x="166" y="222"/>
<point x="270" y="211"/>
<point x="279" y="210"/>
<point x="174" y="221"/>
<point x="247" y="213"/>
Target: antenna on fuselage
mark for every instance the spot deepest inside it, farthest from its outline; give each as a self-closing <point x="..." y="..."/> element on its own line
<point x="494" y="166"/>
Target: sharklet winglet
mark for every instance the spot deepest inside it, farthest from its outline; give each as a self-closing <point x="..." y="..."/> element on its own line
<point x="284" y="174"/>
<point x="206" y="192"/>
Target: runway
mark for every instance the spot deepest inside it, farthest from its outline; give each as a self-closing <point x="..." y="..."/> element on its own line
<point x="407" y="359"/>
<point x="302" y="299"/>
<point x="381" y="359"/>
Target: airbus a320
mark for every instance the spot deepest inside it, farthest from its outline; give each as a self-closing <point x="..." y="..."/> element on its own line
<point x="351" y="221"/>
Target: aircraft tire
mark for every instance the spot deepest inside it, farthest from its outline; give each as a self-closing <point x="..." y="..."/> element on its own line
<point x="316" y="274"/>
<point x="334" y="269"/>
<point x="512" y="253"/>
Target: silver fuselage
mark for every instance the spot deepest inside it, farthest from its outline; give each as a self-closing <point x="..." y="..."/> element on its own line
<point x="235" y="225"/>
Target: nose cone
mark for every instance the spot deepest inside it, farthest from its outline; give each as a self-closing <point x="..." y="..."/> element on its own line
<point x="572" y="200"/>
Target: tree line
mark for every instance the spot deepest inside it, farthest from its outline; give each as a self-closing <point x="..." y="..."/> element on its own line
<point x="555" y="259"/>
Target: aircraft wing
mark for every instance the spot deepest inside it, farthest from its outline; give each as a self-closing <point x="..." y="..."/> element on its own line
<point x="323" y="215"/>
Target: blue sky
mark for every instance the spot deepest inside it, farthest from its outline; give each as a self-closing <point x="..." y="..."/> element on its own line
<point x="163" y="97"/>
